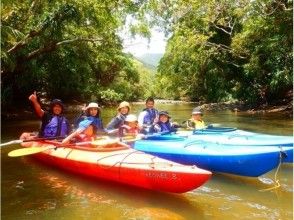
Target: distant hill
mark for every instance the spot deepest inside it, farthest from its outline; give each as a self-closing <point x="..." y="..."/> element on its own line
<point x="150" y="60"/>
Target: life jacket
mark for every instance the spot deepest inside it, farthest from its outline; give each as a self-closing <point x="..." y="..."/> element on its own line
<point x="116" y="122"/>
<point x="97" y="122"/>
<point x="80" y="118"/>
<point x="131" y="131"/>
<point x="165" y="127"/>
<point x="55" y="126"/>
<point x="83" y="138"/>
<point x="150" y="116"/>
<point x="196" y="124"/>
<point x="126" y="131"/>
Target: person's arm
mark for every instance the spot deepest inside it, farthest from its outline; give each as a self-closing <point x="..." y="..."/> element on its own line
<point x="141" y="119"/>
<point x="156" y="128"/>
<point x="72" y="135"/>
<point x="39" y="111"/>
<point x="113" y="124"/>
<point x="190" y="124"/>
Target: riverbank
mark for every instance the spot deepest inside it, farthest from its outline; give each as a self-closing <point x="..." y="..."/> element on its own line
<point x="75" y="108"/>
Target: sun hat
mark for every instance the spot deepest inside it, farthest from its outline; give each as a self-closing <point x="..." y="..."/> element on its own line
<point x="92" y="105"/>
<point x="197" y="111"/>
<point x="164" y="113"/>
<point x="124" y="104"/>
<point x="131" y="118"/>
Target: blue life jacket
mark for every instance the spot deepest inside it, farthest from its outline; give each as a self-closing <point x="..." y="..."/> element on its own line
<point x="97" y="122"/>
<point x="56" y="126"/>
<point x="166" y="127"/>
<point x="150" y="116"/>
<point x="116" y="122"/>
<point x="80" y="118"/>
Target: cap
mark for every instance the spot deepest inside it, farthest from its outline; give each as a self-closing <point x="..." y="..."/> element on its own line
<point x="56" y="102"/>
<point x="164" y="113"/>
<point x="197" y="111"/>
<point x="131" y="118"/>
<point x="92" y="105"/>
<point x="123" y="104"/>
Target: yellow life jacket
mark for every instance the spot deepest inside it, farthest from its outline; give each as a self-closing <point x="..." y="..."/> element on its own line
<point x="195" y="124"/>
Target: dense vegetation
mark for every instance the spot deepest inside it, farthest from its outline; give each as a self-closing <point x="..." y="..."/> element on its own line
<point x="222" y="50"/>
<point x="67" y="49"/>
<point x="217" y="50"/>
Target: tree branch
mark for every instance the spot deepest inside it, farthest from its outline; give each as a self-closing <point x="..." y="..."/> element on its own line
<point x="223" y="47"/>
<point x="230" y="25"/>
<point x="53" y="45"/>
<point x="23" y="42"/>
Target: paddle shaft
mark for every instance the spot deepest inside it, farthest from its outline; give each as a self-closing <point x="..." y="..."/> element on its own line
<point x="29" y="140"/>
<point x="35" y="150"/>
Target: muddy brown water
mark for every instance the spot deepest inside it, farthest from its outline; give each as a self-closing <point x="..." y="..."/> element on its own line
<point x="30" y="190"/>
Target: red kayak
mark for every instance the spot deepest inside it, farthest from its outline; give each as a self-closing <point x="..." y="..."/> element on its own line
<point x="118" y="162"/>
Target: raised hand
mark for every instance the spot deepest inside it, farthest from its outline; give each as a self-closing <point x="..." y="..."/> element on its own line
<point x="33" y="97"/>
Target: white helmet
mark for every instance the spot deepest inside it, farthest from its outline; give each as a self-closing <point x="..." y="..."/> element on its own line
<point x="131" y="118"/>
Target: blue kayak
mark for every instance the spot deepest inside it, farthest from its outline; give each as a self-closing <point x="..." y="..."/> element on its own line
<point x="232" y="136"/>
<point x="249" y="161"/>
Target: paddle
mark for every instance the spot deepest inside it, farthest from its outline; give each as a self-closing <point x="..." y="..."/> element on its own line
<point x="29" y="140"/>
<point x="55" y="145"/>
<point x="29" y="151"/>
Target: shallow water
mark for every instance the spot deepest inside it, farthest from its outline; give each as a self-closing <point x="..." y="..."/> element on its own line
<point x="30" y="190"/>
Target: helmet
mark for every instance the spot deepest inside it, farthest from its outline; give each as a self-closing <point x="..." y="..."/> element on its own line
<point x="123" y="104"/>
<point x="56" y="102"/>
<point x="131" y="118"/>
<point x="164" y="113"/>
<point x="197" y="111"/>
<point x="93" y="105"/>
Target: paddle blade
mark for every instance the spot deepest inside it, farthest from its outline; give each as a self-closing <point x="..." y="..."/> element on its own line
<point x="11" y="142"/>
<point x="28" y="151"/>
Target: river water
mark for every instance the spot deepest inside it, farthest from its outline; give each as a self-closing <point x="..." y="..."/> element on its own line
<point x="30" y="190"/>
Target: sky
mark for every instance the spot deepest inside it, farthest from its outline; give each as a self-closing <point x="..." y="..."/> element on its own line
<point x="140" y="46"/>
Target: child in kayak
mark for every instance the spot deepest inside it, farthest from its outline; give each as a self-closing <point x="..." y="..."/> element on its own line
<point x="88" y="128"/>
<point x="196" y="122"/>
<point x="164" y="125"/>
<point x="130" y="127"/>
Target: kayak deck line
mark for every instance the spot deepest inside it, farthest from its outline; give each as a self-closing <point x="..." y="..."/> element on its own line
<point x="125" y="166"/>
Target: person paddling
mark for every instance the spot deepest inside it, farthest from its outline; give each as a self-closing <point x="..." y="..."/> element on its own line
<point x="196" y="122"/>
<point x="54" y="124"/>
<point x="88" y="128"/>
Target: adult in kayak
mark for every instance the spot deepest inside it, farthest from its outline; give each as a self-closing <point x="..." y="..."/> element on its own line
<point x="164" y="125"/>
<point x="122" y="112"/>
<point x="148" y="117"/>
<point x="89" y="127"/>
<point x="196" y="122"/>
<point x="54" y="123"/>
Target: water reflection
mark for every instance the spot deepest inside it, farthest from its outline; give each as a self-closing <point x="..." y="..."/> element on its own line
<point x="128" y="202"/>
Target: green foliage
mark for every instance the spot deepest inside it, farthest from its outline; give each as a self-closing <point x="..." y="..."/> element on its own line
<point x="222" y="50"/>
<point x="218" y="50"/>
<point x="110" y="95"/>
<point x="66" y="49"/>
